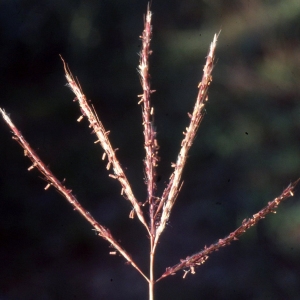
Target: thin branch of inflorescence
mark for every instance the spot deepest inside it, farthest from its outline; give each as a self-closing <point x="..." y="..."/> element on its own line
<point x="53" y="181"/>
<point x="88" y="111"/>
<point x="199" y="258"/>
<point x="170" y="193"/>
<point x="151" y="146"/>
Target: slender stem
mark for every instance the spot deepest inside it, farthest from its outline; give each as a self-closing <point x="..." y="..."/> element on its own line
<point x="151" y="281"/>
<point x="151" y="275"/>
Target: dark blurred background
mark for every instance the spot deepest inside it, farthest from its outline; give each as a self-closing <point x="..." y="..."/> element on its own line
<point x="246" y="152"/>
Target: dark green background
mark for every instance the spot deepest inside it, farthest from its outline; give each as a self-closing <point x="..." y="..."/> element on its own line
<point x="246" y="152"/>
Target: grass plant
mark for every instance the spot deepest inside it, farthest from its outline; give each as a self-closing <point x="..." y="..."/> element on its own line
<point x="155" y="212"/>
